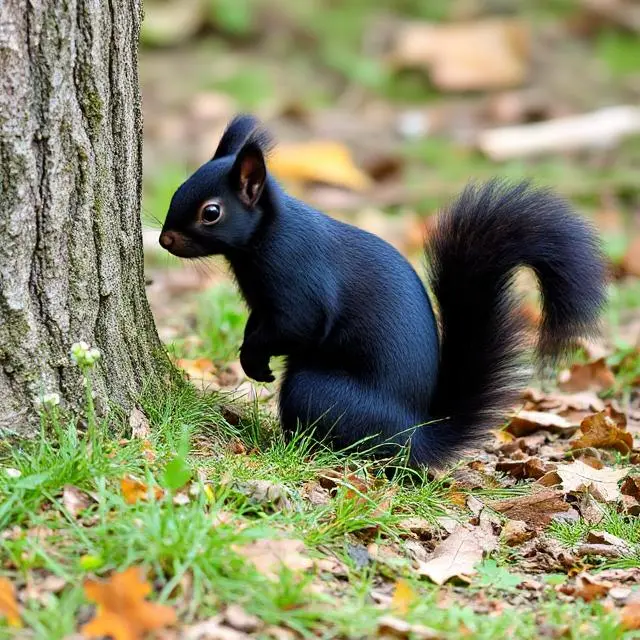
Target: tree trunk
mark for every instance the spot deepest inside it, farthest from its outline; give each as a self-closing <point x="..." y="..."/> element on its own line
<point x="71" y="263"/>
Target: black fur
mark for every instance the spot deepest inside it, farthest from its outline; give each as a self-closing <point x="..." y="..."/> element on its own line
<point x="364" y="358"/>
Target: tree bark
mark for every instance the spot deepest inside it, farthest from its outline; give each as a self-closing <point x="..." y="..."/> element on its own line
<point x="71" y="263"/>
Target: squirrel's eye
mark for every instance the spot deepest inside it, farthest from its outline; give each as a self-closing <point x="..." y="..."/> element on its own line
<point x="211" y="213"/>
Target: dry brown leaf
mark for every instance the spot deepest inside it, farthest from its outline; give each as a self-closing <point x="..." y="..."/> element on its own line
<point x="8" y="603"/>
<point x="515" y="532"/>
<point x="537" y="509"/>
<point x="529" y="467"/>
<point x="601" y="483"/>
<point x="318" y="161"/>
<point x="403" y="597"/>
<point x="630" y="616"/>
<point x="134" y="490"/>
<point x="265" y="493"/>
<point x="420" y="527"/>
<point x="459" y="554"/>
<point x="592" y="376"/>
<point x="316" y="494"/>
<point x="631" y="487"/>
<point x="269" y="556"/>
<point x="488" y="54"/>
<point x="392" y="628"/>
<point x="604" y="537"/>
<point x="525" y="422"/>
<point x="586" y="588"/>
<point x="122" y="610"/>
<point x="75" y="500"/>
<point x="601" y="431"/>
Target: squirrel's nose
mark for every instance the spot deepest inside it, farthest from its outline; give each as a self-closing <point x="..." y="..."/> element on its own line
<point x="167" y="239"/>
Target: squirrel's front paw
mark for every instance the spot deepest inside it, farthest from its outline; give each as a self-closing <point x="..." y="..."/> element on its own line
<point x="256" y="368"/>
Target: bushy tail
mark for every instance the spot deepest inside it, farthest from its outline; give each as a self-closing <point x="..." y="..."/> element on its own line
<point x="474" y="252"/>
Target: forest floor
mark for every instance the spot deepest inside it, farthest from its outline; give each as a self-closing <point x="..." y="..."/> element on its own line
<point x="192" y="518"/>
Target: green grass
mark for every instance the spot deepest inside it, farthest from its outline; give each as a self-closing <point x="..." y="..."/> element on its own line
<point x="178" y="542"/>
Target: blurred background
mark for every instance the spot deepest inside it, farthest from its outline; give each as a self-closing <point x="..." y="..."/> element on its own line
<point x="383" y="111"/>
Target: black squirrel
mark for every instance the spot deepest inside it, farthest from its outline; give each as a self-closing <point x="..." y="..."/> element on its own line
<point x="364" y="358"/>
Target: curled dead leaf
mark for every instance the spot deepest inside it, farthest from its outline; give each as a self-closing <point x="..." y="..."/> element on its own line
<point x="592" y="376"/>
<point x="515" y="532"/>
<point x="525" y="422"/>
<point x="601" y="431"/>
<point x="586" y="588"/>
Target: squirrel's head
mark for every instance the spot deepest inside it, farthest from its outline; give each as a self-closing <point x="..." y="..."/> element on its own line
<point x="218" y="209"/>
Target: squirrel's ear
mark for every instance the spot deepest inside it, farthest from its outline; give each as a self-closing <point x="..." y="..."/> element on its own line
<point x="249" y="174"/>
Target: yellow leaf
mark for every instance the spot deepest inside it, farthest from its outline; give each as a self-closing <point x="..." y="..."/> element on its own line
<point x="134" y="490"/>
<point x="318" y="161"/>
<point x="403" y="597"/>
<point x="122" y="611"/>
<point x="8" y="603"/>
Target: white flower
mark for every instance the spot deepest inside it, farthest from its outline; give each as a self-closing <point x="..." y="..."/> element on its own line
<point x="84" y="355"/>
<point x="51" y="399"/>
<point x="13" y="473"/>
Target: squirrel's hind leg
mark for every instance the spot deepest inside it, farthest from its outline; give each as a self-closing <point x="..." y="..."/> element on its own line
<point x="344" y="412"/>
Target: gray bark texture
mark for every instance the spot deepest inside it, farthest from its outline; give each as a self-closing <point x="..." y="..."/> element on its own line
<point x="71" y="263"/>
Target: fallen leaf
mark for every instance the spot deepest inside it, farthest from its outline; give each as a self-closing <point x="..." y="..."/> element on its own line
<point x="318" y="161"/>
<point x="134" y="490"/>
<point x="515" y="532"/>
<point x="537" y="509"/>
<point x="604" y="537"/>
<point x="592" y="376"/>
<point x="586" y="588"/>
<point x="8" y="603"/>
<point x="631" y="487"/>
<point x="528" y="467"/>
<point x="265" y="493"/>
<point x="600" y="431"/>
<point x="525" y="422"/>
<point x="316" y="494"/>
<point x="458" y="555"/>
<point x="139" y="424"/>
<point x="403" y="597"/>
<point x="630" y="616"/>
<point x="122" y="610"/>
<point x="74" y="500"/>
<point x="269" y="556"/>
<point x="395" y="628"/>
<point x="602" y="483"/>
<point x="420" y="527"/>
<point x="488" y="54"/>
